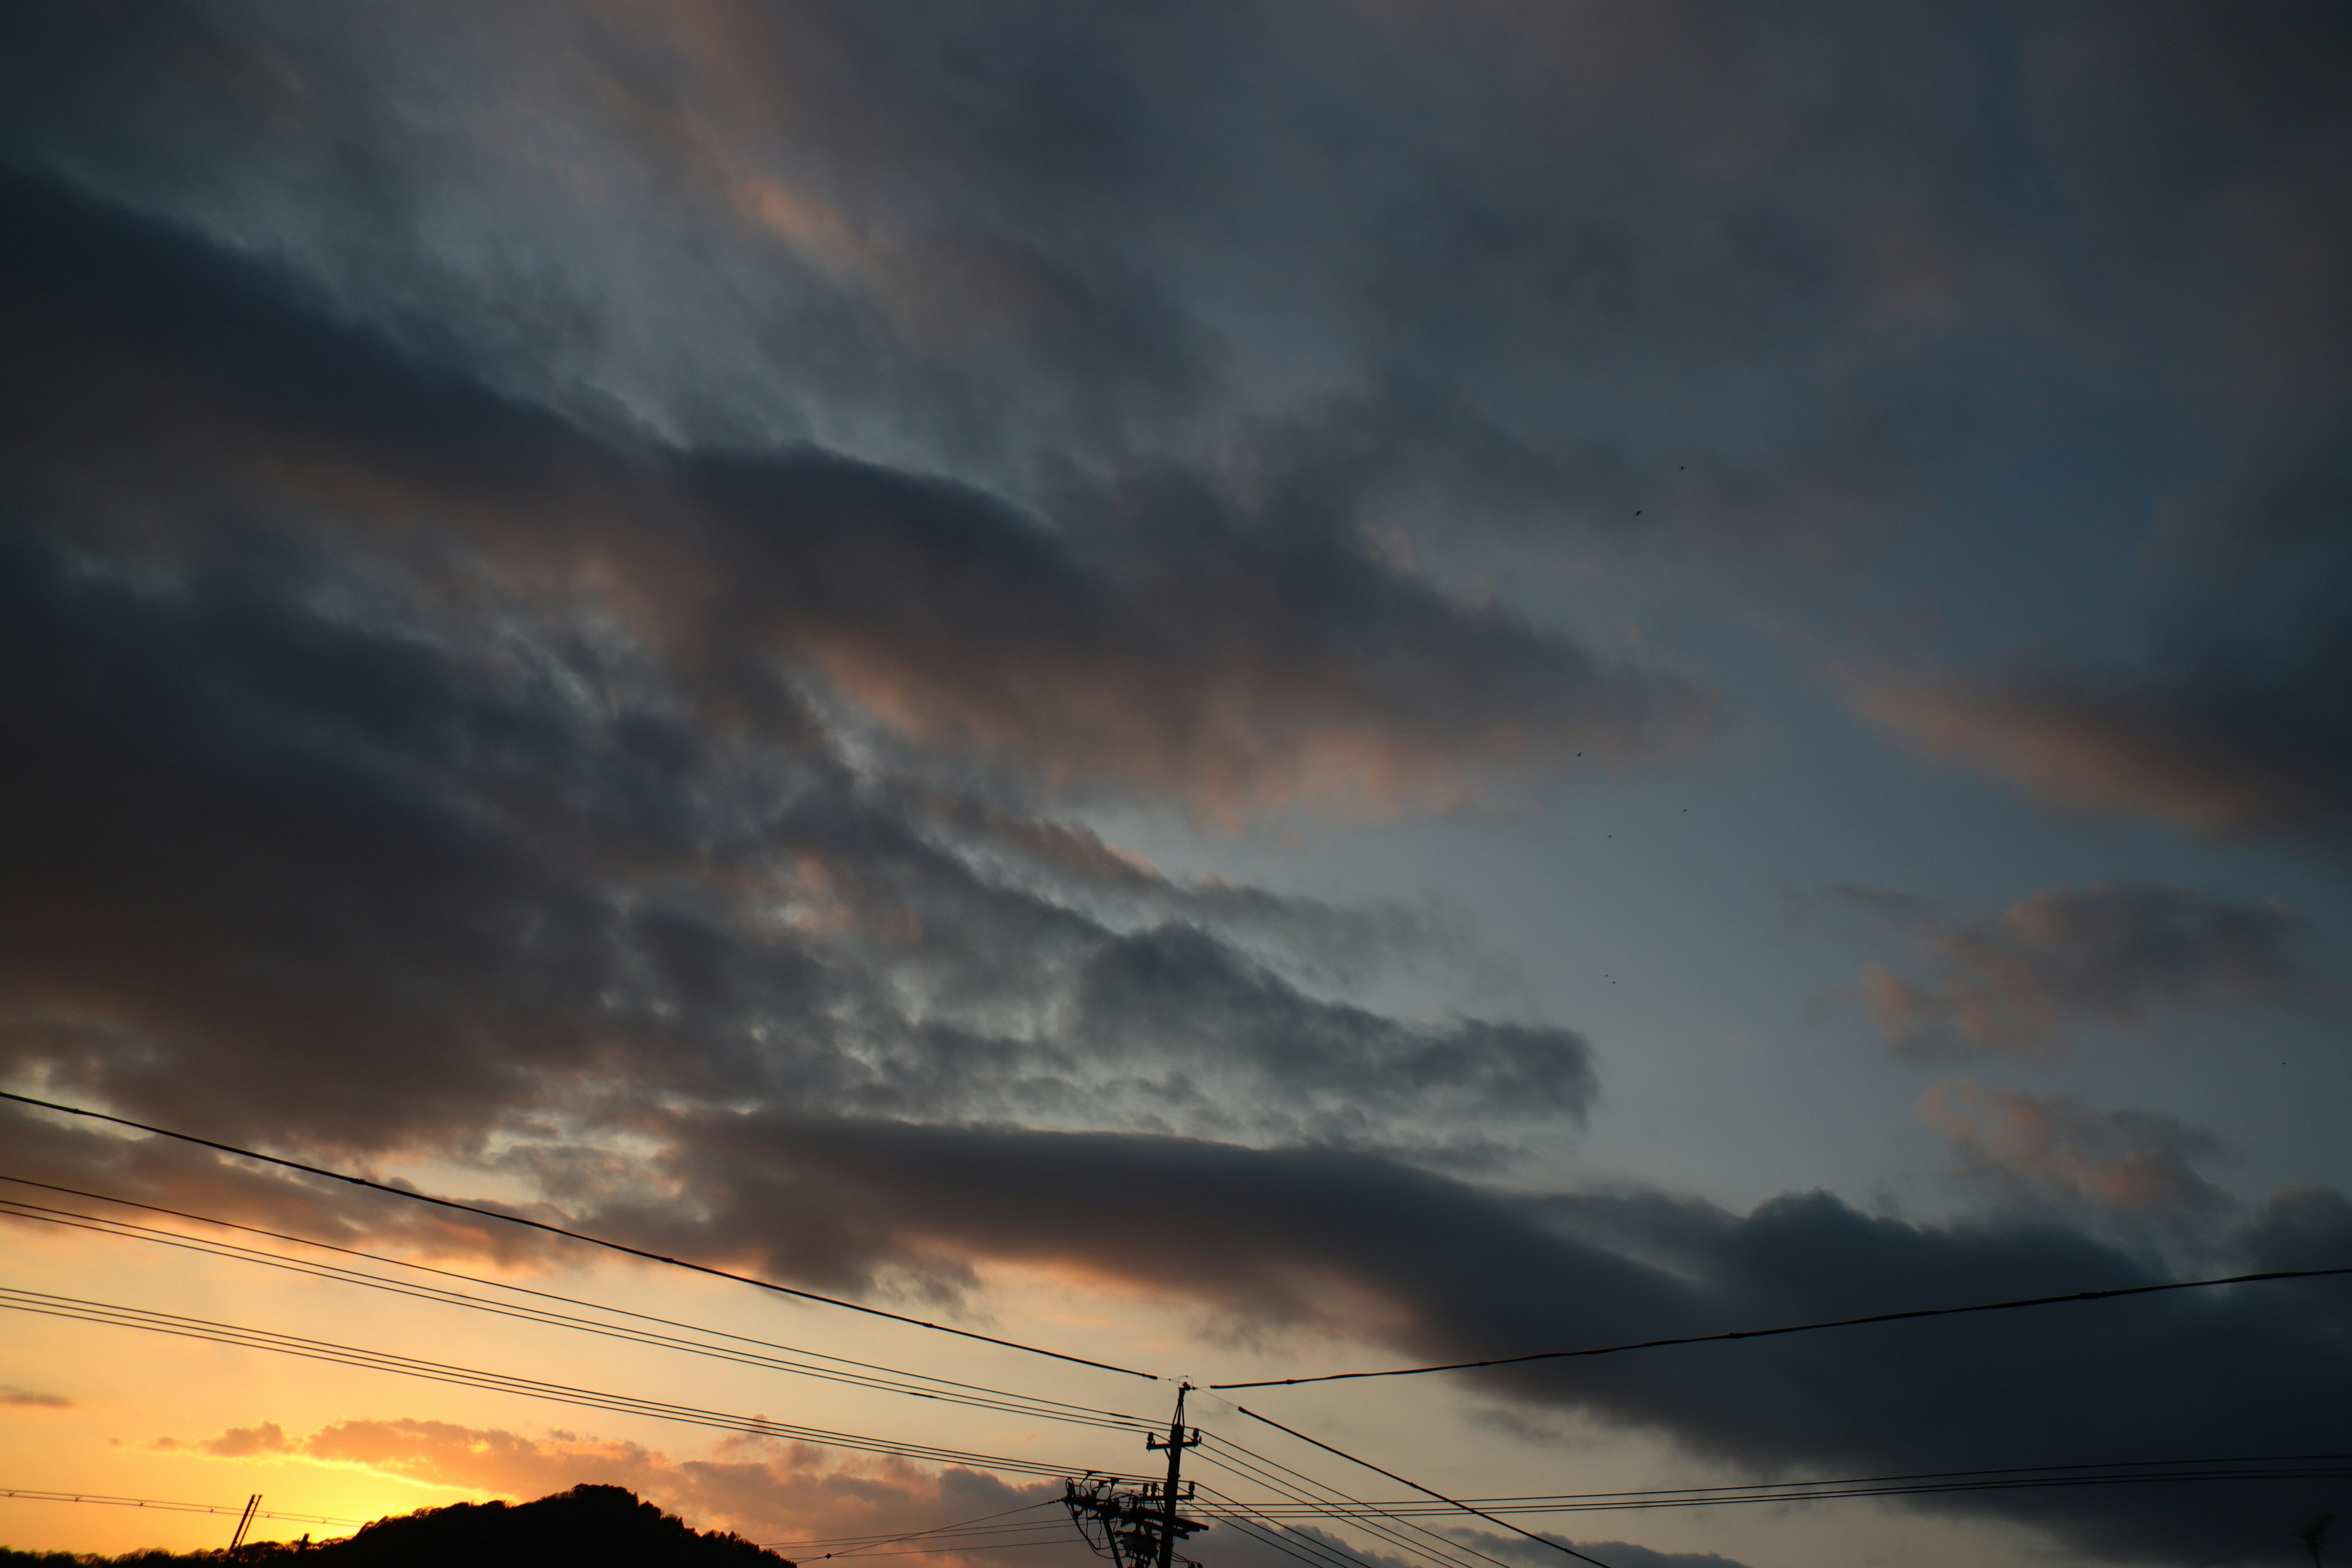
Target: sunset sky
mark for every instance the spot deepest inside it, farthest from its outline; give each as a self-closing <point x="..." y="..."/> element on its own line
<point x="1240" y="689"/>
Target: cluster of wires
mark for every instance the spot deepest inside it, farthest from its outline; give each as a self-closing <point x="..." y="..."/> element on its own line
<point x="2020" y="1477"/>
<point x="1282" y="1498"/>
<point x="1300" y="1496"/>
<point x="180" y="1327"/>
<point x="161" y="1505"/>
<point x="1000" y="1531"/>
<point x="542" y="1307"/>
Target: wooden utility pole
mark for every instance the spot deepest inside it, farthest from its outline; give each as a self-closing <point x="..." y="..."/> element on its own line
<point x="253" y="1505"/>
<point x="1136" y="1526"/>
<point x="1176" y="1444"/>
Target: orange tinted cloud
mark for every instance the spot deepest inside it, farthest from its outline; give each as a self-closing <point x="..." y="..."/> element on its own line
<point x="2135" y="1162"/>
<point x="2126" y="955"/>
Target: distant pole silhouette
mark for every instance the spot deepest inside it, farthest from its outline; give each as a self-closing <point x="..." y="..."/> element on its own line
<point x="245" y="1521"/>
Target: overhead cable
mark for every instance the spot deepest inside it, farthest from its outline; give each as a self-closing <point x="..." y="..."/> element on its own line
<point x="931" y="1530"/>
<point x="2261" y="1466"/>
<point x="971" y="1395"/>
<point x="177" y="1326"/>
<point x="512" y="1289"/>
<point x="1425" y="1492"/>
<point x="160" y="1505"/>
<point x="2262" y="1278"/>
<point x="620" y="1247"/>
<point x="1448" y="1551"/>
<point x="1321" y="1552"/>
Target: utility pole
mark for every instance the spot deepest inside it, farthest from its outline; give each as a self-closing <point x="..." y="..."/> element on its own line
<point x="253" y="1505"/>
<point x="1136" y="1526"/>
<point x="1176" y="1444"/>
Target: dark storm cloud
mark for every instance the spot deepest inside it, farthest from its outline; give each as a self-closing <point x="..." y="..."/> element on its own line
<point x="408" y="756"/>
<point x="568" y="562"/>
<point x="265" y="861"/>
<point x="2234" y="731"/>
<point x="1444" y="1270"/>
<point x="1488" y="260"/>
<point x="2126" y="955"/>
<point x="2211" y="147"/>
<point x="2129" y="1174"/>
<point x="1233" y="1544"/>
<point x="1168" y="644"/>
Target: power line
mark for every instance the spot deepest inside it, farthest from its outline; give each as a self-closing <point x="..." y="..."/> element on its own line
<point x="177" y="1326"/>
<point x="1632" y="1503"/>
<point x="1445" y="1543"/>
<point x="1324" y="1554"/>
<point x="538" y="1295"/>
<point x="1304" y="1507"/>
<point x="2283" y="1466"/>
<point x="1416" y="1486"/>
<point x="26" y="1494"/>
<point x="1000" y="1401"/>
<point x="933" y="1530"/>
<point x="620" y="1247"/>
<point x="1270" y="1539"/>
<point x="2276" y="1274"/>
<point x="1413" y="1550"/>
<point x="1006" y="1546"/>
<point x="850" y="1542"/>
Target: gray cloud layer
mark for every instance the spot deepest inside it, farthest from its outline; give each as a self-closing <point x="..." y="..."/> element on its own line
<point x="572" y="574"/>
<point x="376" y="709"/>
<point x="2124" y="956"/>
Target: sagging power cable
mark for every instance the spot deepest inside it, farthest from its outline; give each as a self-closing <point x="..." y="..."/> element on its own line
<point x="2268" y="1277"/>
<point x="877" y="1379"/>
<point x="162" y="1505"/>
<point x="610" y="1245"/>
<point x="174" y="1325"/>
<point x="1425" y="1492"/>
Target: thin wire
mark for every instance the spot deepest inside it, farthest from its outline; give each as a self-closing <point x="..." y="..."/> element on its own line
<point x="1447" y="1542"/>
<point x="1306" y="1505"/>
<point x="573" y="1235"/>
<point x="879" y="1538"/>
<point x="1053" y="1536"/>
<point x="1690" y="1500"/>
<point x="1007" y="1404"/>
<point x="1416" y="1486"/>
<point x="26" y="1494"/>
<point x="544" y="1295"/>
<point x="1277" y="1543"/>
<point x="45" y="1304"/>
<point x="2273" y="1275"/>
<point x="1007" y="1546"/>
<point x="1775" y="1491"/>
<point x="931" y="1529"/>
<point x="935" y="1530"/>
<point x="1327" y="1556"/>
<point x="1342" y="1550"/>
<point x="1234" y="1507"/>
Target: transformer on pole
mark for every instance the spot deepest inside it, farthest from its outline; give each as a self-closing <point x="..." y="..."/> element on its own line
<point x="1136" y="1525"/>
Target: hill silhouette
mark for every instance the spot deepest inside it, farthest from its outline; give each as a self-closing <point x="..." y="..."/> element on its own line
<point x="587" y="1527"/>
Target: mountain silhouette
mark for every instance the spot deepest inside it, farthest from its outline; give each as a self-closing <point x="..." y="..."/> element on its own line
<point x="587" y="1527"/>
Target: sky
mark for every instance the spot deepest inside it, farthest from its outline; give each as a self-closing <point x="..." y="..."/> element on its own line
<point x="1236" y="690"/>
